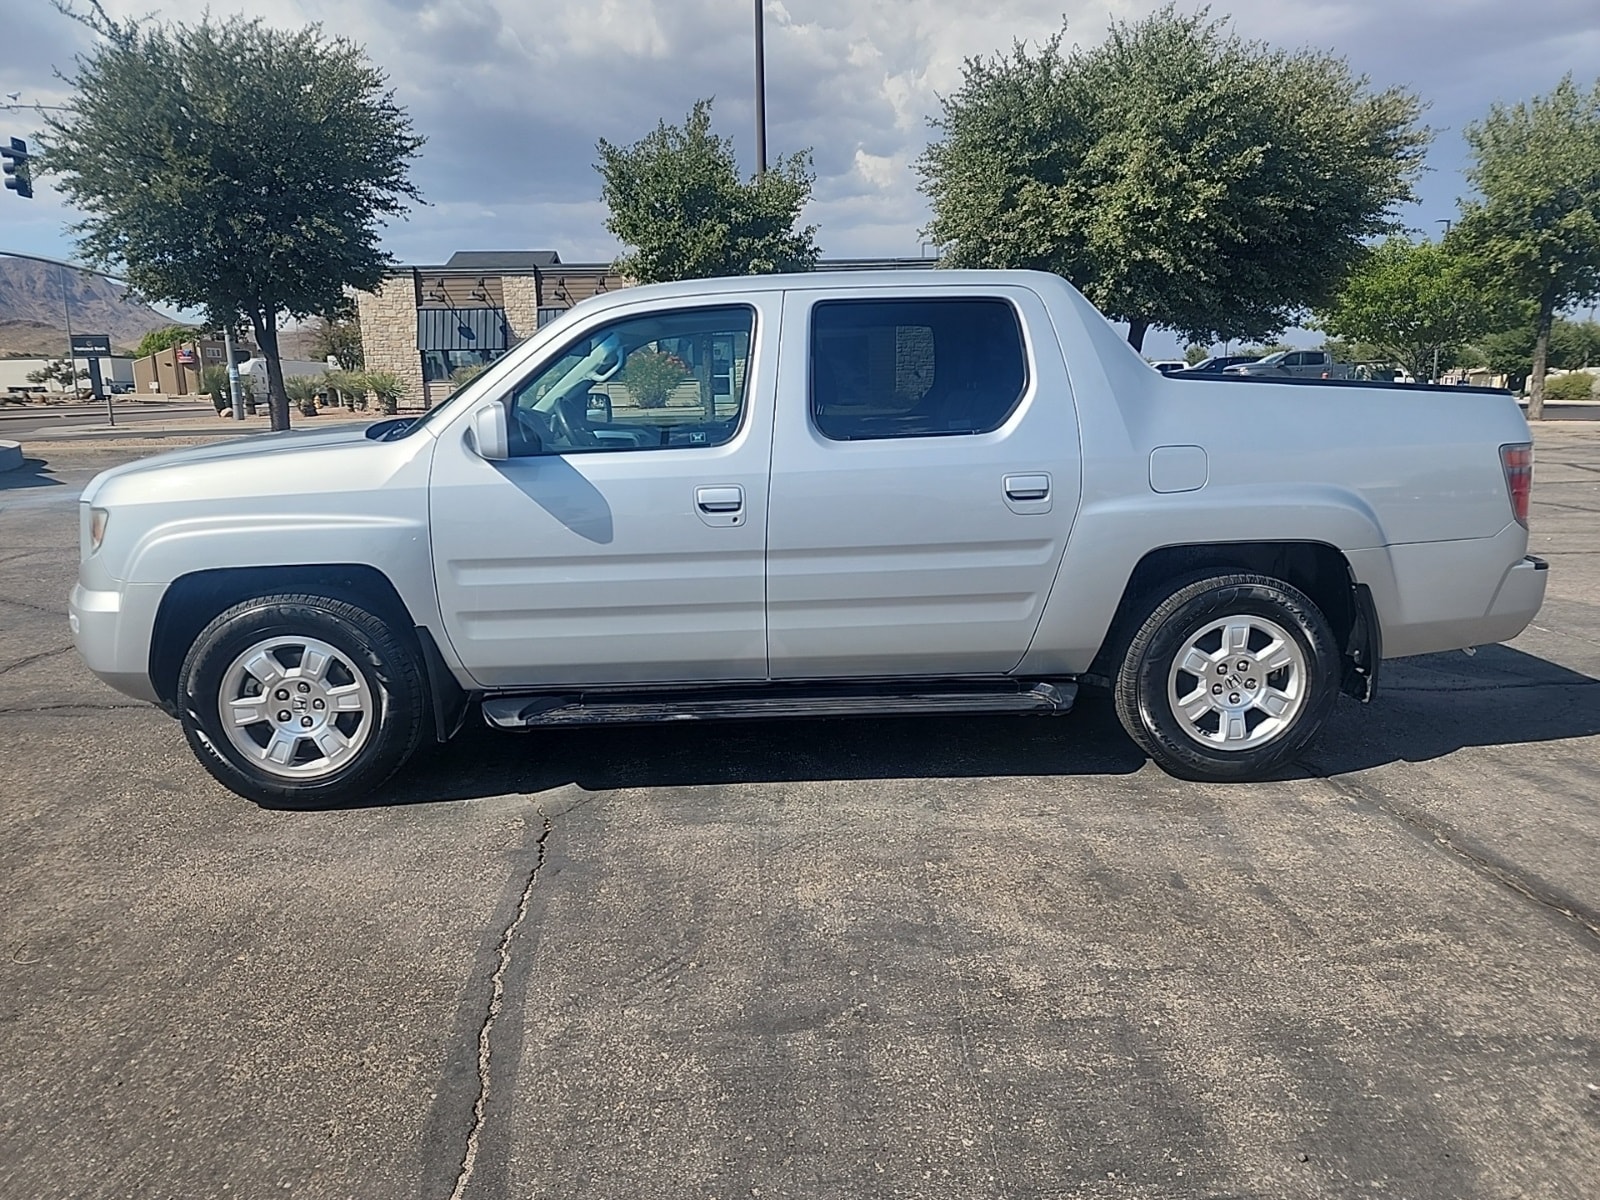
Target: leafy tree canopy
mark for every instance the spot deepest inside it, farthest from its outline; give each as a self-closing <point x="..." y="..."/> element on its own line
<point x="1535" y="222"/>
<point x="677" y="199"/>
<point x="232" y="167"/>
<point x="1509" y="351"/>
<point x="1415" y="303"/>
<point x="339" y="336"/>
<point x="1178" y="175"/>
<point x="162" y="339"/>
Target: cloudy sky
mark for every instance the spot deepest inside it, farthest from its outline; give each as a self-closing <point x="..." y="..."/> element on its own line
<point x="512" y="94"/>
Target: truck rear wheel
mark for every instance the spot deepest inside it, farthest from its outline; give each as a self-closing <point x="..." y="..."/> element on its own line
<point x="301" y="700"/>
<point x="1228" y="678"/>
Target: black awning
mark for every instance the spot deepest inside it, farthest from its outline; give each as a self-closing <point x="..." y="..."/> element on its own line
<point x="461" y="329"/>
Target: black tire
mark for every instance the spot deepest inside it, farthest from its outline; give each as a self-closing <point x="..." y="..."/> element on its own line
<point x="1148" y="679"/>
<point x="389" y="683"/>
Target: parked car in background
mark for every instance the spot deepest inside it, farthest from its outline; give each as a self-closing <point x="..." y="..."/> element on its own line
<point x="1169" y="366"/>
<point x="1218" y="363"/>
<point x="1294" y="364"/>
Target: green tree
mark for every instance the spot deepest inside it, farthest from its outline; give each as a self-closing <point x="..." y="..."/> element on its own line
<point x="676" y="198"/>
<point x="1415" y="303"/>
<point x="1178" y="175"/>
<point x="232" y="167"/>
<point x="1534" y="223"/>
<point x="338" y="336"/>
<point x="1509" y="350"/>
<point x="163" y="339"/>
<point x="57" y="371"/>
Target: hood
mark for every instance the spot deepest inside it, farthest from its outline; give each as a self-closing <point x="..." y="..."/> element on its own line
<point x="257" y="448"/>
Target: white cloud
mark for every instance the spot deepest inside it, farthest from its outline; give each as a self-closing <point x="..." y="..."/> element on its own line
<point x="513" y="94"/>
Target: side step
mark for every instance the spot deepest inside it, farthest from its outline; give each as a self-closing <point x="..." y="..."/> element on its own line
<point x="771" y="701"/>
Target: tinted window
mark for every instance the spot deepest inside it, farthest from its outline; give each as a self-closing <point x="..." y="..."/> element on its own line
<point x="914" y="368"/>
<point x="665" y="379"/>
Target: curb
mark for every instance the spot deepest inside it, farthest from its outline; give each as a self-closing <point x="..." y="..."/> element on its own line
<point x="10" y="456"/>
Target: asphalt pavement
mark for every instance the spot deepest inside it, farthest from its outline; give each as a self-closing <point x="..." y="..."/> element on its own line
<point x="942" y="957"/>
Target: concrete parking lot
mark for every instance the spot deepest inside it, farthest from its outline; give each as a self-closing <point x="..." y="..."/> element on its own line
<point x="934" y="957"/>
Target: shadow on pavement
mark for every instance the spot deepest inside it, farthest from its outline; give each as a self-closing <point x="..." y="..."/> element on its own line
<point x="1427" y="708"/>
<point x="482" y="762"/>
<point x="1431" y="706"/>
<point x="33" y="473"/>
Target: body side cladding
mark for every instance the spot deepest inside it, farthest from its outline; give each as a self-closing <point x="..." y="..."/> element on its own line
<point x="1319" y="570"/>
<point x="191" y="601"/>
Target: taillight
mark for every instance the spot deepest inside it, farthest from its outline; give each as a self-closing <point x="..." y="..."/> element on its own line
<point x="1518" y="463"/>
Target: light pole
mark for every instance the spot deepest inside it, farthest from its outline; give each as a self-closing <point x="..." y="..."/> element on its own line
<point x="235" y="394"/>
<point x="761" y="92"/>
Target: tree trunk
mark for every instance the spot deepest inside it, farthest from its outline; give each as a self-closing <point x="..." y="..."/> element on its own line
<point x="1137" y="328"/>
<point x="1541" y="355"/>
<point x="266" y="331"/>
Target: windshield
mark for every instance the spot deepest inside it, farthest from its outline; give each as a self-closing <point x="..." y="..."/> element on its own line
<point x="1273" y="359"/>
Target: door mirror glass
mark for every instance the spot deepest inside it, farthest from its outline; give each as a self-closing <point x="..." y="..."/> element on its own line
<point x="489" y="433"/>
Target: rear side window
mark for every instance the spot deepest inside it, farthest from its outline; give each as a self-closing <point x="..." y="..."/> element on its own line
<point x="914" y="368"/>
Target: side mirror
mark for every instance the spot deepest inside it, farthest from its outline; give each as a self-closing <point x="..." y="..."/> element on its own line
<point x="491" y="434"/>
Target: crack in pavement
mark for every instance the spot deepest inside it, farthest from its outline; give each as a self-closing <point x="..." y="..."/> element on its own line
<point x="1477" y="858"/>
<point x="497" y="995"/>
<point x="39" y="608"/>
<point x="87" y="708"/>
<point x="33" y="658"/>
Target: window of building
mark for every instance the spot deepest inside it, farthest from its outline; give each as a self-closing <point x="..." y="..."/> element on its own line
<point x="438" y="365"/>
<point x="914" y="368"/>
<point x="669" y="379"/>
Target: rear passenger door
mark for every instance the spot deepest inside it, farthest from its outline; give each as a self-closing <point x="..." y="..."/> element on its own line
<point x="925" y="476"/>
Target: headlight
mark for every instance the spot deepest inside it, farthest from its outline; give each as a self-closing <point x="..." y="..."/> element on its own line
<point x="97" y="527"/>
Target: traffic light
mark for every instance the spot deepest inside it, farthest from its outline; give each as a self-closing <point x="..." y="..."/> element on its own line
<point x="18" y="178"/>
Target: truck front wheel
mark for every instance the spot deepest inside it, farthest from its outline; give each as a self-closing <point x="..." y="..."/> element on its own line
<point x="301" y="700"/>
<point x="1228" y="678"/>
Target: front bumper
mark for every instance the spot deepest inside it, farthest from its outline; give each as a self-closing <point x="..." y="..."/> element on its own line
<point x="101" y="622"/>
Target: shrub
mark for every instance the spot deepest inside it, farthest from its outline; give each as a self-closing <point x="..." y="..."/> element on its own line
<point x="349" y="386"/>
<point x="1574" y="385"/>
<point x="650" y="376"/>
<point x="462" y="376"/>
<point x="303" y="391"/>
<point x="385" y="385"/>
<point x="214" y="382"/>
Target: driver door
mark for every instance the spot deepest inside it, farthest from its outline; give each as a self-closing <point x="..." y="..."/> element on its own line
<point x="624" y="540"/>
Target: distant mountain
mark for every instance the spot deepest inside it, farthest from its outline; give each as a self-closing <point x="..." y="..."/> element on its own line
<point x="30" y="304"/>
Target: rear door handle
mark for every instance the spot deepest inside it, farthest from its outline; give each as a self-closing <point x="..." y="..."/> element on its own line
<point x="719" y="499"/>
<point x="1027" y="487"/>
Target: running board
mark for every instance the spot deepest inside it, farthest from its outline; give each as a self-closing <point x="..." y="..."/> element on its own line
<point x="773" y="701"/>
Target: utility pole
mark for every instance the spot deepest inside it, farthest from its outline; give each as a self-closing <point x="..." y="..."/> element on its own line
<point x="234" y="389"/>
<point x="761" y="92"/>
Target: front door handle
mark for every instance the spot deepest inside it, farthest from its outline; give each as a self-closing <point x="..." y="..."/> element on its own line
<point x="1027" y="487"/>
<point x="719" y="499"/>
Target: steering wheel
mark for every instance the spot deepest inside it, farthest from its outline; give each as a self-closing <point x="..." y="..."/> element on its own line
<point x="572" y="432"/>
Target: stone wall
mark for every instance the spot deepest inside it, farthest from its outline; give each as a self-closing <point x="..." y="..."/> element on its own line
<point x="389" y="335"/>
<point x="521" y="296"/>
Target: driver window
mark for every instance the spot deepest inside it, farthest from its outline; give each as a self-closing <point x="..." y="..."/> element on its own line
<point x="663" y="380"/>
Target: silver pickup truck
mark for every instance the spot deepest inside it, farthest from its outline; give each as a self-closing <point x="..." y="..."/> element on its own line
<point x="817" y="495"/>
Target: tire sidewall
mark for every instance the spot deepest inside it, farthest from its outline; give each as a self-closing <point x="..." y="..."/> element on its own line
<point x="1213" y="600"/>
<point x="229" y="635"/>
